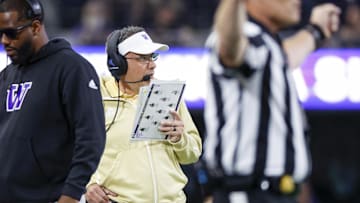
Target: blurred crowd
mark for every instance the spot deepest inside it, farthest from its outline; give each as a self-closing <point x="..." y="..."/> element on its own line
<point x="88" y="22"/>
<point x="177" y="23"/>
<point x="349" y="34"/>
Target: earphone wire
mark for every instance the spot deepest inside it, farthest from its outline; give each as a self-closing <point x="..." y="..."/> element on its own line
<point x="116" y="111"/>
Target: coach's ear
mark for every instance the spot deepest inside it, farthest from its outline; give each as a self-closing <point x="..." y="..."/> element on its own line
<point x="36" y="27"/>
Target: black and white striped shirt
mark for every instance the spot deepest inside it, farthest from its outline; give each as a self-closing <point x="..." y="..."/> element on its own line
<point x="254" y="121"/>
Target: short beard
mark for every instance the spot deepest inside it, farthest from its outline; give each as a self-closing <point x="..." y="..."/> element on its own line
<point x="25" y="52"/>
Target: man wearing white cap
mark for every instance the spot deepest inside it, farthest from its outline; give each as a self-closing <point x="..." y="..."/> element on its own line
<point x="142" y="171"/>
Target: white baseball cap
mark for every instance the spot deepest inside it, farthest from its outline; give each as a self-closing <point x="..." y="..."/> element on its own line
<point x="140" y="43"/>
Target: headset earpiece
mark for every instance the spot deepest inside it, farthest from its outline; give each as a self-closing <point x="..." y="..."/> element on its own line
<point x="116" y="62"/>
<point x="36" y="10"/>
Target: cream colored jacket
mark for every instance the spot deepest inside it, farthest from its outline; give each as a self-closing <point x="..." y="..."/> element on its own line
<point x="143" y="171"/>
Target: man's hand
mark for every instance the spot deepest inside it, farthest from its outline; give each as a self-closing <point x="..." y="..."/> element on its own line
<point x="326" y="16"/>
<point x="67" y="199"/>
<point x="173" y="128"/>
<point x="97" y="194"/>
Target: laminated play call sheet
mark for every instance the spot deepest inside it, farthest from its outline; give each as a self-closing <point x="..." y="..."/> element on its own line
<point x="155" y="102"/>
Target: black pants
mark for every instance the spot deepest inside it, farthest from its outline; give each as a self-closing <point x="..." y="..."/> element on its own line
<point x="253" y="196"/>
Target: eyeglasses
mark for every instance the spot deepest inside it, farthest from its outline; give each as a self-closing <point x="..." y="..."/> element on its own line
<point x="12" y="33"/>
<point x="145" y="58"/>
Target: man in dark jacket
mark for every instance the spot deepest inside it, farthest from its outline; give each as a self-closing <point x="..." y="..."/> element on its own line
<point x="52" y="130"/>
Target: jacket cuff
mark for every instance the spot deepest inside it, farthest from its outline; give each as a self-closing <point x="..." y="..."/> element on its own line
<point x="181" y="144"/>
<point x="73" y="191"/>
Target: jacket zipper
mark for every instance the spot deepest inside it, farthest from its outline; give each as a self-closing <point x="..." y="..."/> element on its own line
<point x="152" y="173"/>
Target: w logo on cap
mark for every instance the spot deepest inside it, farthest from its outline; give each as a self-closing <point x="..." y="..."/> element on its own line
<point x="16" y="95"/>
<point x="145" y="36"/>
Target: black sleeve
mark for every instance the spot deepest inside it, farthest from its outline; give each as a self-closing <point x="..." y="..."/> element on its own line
<point x="84" y="110"/>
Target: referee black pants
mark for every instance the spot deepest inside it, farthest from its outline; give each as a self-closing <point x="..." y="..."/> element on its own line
<point x="252" y="196"/>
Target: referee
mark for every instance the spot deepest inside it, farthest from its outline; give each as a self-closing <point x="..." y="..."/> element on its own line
<point x="256" y="149"/>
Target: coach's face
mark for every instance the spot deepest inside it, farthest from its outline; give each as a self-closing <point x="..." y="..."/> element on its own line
<point x="16" y="36"/>
<point x="277" y="14"/>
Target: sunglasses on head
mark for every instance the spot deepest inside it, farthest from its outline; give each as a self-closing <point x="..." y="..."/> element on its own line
<point x="12" y="33"/>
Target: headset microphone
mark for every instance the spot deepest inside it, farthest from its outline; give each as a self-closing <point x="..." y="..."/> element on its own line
<point x="145" y="78"/>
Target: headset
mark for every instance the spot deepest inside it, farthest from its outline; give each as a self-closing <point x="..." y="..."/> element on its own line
<point x="116" y="62"/>
<point x="36" y="11"/>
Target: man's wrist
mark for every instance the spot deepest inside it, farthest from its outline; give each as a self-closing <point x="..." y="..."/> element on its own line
<point x="316" y="32"/>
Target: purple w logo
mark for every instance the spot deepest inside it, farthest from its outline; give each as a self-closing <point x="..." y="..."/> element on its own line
<point x="16" y="95"/>
<point x="145" y="36"/>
